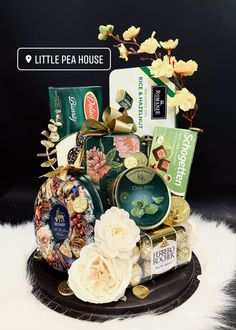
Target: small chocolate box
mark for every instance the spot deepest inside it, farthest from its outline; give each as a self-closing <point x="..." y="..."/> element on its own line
<point x="171" y="156"/>
<point x="163" y="165"/>
<point x="159" y="153"/>
<point x="105" y="155"/>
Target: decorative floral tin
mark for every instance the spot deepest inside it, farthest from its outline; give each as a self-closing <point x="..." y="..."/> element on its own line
<point x="65" y="213"/>
<point x="105" y="156"/>
<point x="144" y="194"/>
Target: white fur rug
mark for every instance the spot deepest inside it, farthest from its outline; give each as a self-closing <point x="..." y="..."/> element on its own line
<point x="214" y="244"/>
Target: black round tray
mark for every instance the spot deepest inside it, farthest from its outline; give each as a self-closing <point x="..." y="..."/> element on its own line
<point x="167" y="291"/>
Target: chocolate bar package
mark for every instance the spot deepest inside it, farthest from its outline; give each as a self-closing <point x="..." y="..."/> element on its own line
<point x="171" y="156"/>
<point x="105" y="155"/>
<point x="144" y="97"/>
<point x="73" y="105"/>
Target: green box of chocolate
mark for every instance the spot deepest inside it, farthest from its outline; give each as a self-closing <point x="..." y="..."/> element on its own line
<point x="73" y="105"/>
<point x="105" y="155"/>
<point x="171" y="156"/>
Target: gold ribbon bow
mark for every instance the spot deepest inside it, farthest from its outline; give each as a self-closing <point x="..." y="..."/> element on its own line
<point x="63" y="170"/>
<point x="112" y="122"/>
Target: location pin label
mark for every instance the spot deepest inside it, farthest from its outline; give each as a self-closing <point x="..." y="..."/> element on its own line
<point x="28" y="58"/>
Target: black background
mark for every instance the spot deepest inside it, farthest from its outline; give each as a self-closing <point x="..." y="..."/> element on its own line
<point x="206" y="30"/>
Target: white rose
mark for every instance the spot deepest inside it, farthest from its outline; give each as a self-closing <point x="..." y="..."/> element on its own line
<point x="44" y="240"/>
<point x="116" y="234"/>
<point x="99" y="279"/>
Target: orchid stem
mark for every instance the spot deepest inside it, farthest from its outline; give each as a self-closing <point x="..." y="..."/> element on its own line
<point x="117" y="38"/>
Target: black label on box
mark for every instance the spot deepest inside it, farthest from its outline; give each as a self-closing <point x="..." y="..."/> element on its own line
<point x="159" y="102"/>
<point x="59" y="222"/>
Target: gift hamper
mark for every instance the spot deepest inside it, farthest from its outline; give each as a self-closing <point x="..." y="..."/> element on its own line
<point x="111" y="218"/>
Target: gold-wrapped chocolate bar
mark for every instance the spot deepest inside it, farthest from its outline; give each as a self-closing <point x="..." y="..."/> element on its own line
<point x="159" y="251"/>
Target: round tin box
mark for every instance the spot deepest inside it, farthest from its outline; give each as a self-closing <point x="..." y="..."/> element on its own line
<point x="144" y="194"/>
<point x="64" y="218"/>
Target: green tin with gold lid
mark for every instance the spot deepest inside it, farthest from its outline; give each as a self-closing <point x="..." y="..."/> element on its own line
<point x="144" y="194"/>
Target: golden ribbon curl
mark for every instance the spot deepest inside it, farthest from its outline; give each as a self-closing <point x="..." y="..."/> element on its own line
<point x="112" y="122"/>
<point x="63" y="170"/>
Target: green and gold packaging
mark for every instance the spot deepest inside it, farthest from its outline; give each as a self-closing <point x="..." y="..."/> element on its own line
<point x="171" y="156"/>
<point x="73" y="105"/>
<point x="160" y="251"/>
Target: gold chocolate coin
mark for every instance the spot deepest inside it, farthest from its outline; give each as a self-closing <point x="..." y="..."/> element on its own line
<point x="136" y="159"/>
<point x="179" y="212"/>
<point x="80" y="204"/>
<point x="38" y="255"/>
<point x="140" y="291"/>
<point x="64" y="289"/>
<point x="130" y="162"/>
<point x="141" y="158"/>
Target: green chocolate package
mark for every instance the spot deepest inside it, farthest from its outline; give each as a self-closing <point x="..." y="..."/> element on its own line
<point x="171" y="156"/>
<point x="73" y="105"/>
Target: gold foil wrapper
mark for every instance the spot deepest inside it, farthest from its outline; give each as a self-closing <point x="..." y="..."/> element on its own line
<point x="64" y="289"/>
<point x="38" y="255"/>
<point x="179" y="212"/>
<point x="140" y="292"/>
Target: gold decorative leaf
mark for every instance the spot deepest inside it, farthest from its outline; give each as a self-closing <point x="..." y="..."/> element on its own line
<point x="52" y="121"/>
<point x="42" y="155"/>
<point x="58" y="124"/>
<point x="48" y="163"/>
<point x="47" y="144"/>
<point x="54" y="137"/>
<point x="54" y="151"/>
<point x="52" y="128"/>
<point x="45" y="133"/>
